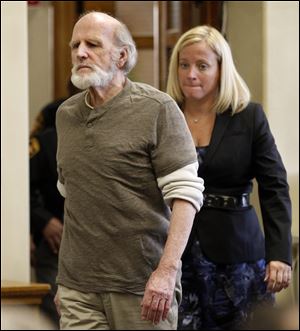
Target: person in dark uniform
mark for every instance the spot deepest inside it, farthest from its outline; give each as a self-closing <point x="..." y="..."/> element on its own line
<point x="46" y="203"/>
<point x="46" y="212"/>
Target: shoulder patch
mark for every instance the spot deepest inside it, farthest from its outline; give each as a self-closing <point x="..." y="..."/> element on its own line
<point x="34" y="147"/>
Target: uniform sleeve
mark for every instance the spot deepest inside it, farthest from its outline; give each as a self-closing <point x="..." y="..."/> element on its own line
<point x="273" y="191"/>
<point x="173" y="144"/>
<point x="39" y="215"/>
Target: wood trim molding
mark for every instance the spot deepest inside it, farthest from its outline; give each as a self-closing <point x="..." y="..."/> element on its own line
<point x="162" y="5"/>
<point x="64" y="19"/>
<point x="13" y="292"/>
<point x="143" y="42"/>
<point x="172" y="37"/>
<point x="211" y="13"/>
<point x="107" y="7"/>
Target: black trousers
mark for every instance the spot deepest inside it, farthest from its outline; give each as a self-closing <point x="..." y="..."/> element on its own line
<point x="46" y="272"/>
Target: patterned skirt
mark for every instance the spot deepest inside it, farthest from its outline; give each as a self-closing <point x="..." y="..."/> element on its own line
<point x="220" y="297"/>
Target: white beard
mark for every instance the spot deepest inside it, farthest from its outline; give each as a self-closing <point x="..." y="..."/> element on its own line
<point x="97" y="78"/>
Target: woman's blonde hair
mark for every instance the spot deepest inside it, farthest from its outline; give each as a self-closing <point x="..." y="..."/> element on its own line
<point x="233" y="91"/>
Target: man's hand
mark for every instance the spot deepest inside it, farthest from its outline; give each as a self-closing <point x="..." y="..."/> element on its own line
<point x="160" y="287"/>
<point x="278" y="276"/>
<point x="158" y="295"/>
<point x="53" y="232"/>
<point x="57" y="303"/>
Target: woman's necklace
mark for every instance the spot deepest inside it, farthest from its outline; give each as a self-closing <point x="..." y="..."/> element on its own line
<point x="194" y="120"/>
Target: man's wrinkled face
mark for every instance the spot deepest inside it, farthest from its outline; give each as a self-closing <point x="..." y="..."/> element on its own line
<point x="92" y="53"/>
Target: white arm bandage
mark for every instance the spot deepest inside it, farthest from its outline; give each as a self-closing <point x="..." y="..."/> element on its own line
<point x="61" y="188"/>
<point x="183" y="184"/>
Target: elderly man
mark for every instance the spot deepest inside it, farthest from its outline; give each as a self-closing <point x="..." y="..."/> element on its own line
<point x="128" y="170"/>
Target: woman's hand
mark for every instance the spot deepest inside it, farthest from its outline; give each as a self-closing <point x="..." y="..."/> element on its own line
<point x="278" y="276"/>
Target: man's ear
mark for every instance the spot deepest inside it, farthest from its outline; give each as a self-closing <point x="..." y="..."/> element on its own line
<point x="123" y="56"/>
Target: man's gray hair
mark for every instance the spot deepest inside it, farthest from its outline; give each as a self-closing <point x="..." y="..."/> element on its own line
<point x="123" y="39"/>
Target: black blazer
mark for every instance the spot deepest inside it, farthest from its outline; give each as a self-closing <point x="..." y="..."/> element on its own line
<point x="242" y="148"/>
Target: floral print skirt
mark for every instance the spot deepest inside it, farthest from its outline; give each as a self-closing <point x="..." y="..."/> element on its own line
<point x="220" y="297"/>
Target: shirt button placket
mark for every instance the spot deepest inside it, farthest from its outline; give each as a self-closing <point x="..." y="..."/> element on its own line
<point x="89" y="135"/>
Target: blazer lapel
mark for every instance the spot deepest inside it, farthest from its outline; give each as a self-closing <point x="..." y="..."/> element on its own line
<point x="222" y="121"/>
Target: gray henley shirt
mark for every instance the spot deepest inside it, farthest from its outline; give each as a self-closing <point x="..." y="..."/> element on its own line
<point x="116" y="221"/>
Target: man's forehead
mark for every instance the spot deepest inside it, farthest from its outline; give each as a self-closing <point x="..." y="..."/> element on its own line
<point x="93" y="29"/>
<point x="96" y="21"/>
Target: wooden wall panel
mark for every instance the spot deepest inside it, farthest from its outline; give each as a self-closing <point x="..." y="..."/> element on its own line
<point x="107" y="7"/>
<point x="65" y="17"/>
<point x="211" y="13"/>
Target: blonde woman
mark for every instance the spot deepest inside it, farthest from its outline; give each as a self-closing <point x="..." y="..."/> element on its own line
<point x="229" y="266"/>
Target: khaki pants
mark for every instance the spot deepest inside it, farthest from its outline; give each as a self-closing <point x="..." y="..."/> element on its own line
<point x="108" y="311"/>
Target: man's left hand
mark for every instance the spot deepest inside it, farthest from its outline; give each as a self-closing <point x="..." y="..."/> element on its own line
<point x="158" y="295"/>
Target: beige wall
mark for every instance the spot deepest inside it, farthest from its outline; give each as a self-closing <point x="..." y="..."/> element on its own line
<point x="244" y="35"/>
<point x="281" y="100"/>
<point x="137" y="15"/>
<point x="281" y="87"/>
<point x="14" y="142"/>
<point x="40" y="51"/>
